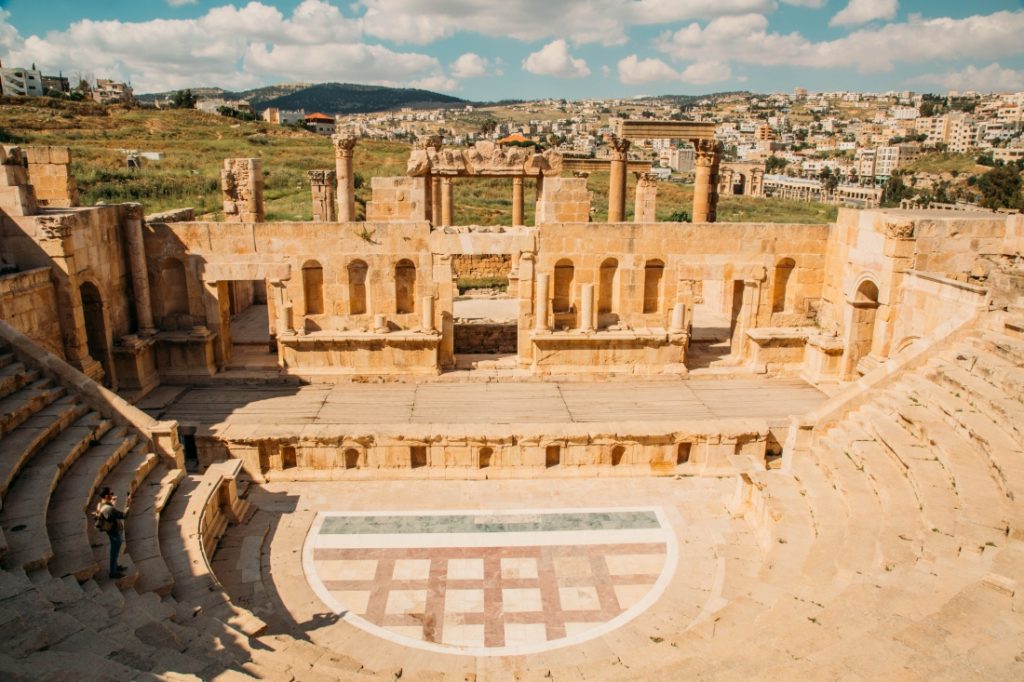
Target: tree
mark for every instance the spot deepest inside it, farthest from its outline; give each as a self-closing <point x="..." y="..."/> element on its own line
<point x="1001" y="188"/>
<point x="928" y="108"/>
<point x="184" y="99"/>
<point x="488" y="126"/>
<point x="774" y="164"/>
<point x="894" y="191"/>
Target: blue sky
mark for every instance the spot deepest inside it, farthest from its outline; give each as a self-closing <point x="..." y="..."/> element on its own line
<point x="494" y="49"/>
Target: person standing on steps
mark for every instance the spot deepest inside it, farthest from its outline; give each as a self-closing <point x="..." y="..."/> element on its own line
<point x="108" y="519"/>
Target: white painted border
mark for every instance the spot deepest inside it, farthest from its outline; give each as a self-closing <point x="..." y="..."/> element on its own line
<point x="659" y="587"/>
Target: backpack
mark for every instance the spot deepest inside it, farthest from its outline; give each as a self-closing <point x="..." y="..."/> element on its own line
<point x="101" y="522"/>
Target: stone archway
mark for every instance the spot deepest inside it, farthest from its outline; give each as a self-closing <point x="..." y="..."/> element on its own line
<point x="860" y="328"/>
<point x="97" y="338"/>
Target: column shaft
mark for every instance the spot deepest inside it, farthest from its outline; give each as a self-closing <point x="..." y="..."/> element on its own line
<point x="540" y="302"/>
<point x="139" y="270"/>
<point x="617" y="181"/>
<point x="518" y="211"/>
<point x="344" y="145"/>
<point x="447" y="198"/>
<point x="587" y="308"/>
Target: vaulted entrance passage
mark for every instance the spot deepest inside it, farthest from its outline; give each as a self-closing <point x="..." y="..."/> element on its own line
<point x="251" y="343"/>
<point x="485" y="314"/>
<point x="96" y="330"/>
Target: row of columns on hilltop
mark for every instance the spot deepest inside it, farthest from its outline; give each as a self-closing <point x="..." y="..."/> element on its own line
<point x="333" y="192"/>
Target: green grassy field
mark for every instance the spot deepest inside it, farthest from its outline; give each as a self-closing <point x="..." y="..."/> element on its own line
<point x="194" y="146"/>
<point x="947" y="162"/>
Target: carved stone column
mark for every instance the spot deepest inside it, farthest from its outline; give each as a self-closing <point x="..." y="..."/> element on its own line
<point x="322" y="187"/>
<point x="518" y="210"/>
<point x="705" y="190"/>
<point x="344" y="145"/>
<point x="447" y="199"/>
<point x="646" y="198"/>
<point x="139" y="269"/>
<point x="435" y="199"/>
<point x="587" y="308"/>
<point x="540" y="302"/>
<point x="617" y="180"/>
<point x="241" y="183"/>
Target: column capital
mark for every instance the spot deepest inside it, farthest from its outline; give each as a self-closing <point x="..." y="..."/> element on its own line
<point x="619" y="147"/>
<point x="646" y="179"/>
<point x="706" y="151"/>
<point x="322" y="177"/>
<point x="429" y="142"/>
<point x="344" y="143"/>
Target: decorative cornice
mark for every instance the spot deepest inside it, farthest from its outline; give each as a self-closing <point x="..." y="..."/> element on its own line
<point x="56" y="226"/>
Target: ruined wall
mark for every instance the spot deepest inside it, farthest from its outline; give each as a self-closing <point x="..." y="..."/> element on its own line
<point x="241" y="183"/>
<point x="689" y="252"/>
<point x="299" y="246"/>
<point x="398" y="199"/>
<point x="29" y="304"/>
<point x="489" y="266"/>
<point x="885" y="248"/>
<point x="563" y="200"/>
<point x="49" y="171"/>
<point x="485" y="337"/>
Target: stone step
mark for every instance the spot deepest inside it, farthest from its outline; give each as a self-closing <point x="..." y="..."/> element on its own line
<point x="68" y="517"/>
<point x="859" y="548"/>
<point x="23" y="518"/>
<point x="19" y="406"/>
<point x="6" y="358"/>
<point x="19" y="446"/>
<point x="982" y="395"/>
<point x="143" y="529"/>
<point x="829" y="516"/>
<point x="1004" y="454"/>
<point x="981" y="499"/>
<point x="900" y="537"/>
<point x="978" y="358"/>
<point x="942" y="488"/>
<point x="14" y="376"/>
<point x="1010" y="348"/>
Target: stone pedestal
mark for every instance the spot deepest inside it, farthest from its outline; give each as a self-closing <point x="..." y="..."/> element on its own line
<point x="135" y="365"/>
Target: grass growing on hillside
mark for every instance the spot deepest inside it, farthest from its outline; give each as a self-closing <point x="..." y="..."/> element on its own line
<point x="194" y="146"/>
<point x="946" y="162"/>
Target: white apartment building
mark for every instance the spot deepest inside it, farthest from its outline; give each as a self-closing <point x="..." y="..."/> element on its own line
<point x="23" y="82"/>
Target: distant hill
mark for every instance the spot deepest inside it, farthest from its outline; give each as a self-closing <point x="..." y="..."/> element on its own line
<point x="328" y="98"/>
<point x="348" y="98"/>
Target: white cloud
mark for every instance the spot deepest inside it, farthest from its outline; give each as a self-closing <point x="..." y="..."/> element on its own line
<point x="438" y="82"/>
<point x="703" y="73"/>
<point x="232" y="46"/>
<point x="469" y="65"/>
<point x="813" y="4"/>
<point x="181" y="3"/>
<point x="747" y="39"/>
<point x="634" y="71"/>
<point x="581" y="21"/>
<point x="991" y="78"/>
<point x="554" y="60"/>
<point x="862" y="11"/>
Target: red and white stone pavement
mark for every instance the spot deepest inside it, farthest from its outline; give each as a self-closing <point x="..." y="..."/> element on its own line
<point x="490" y="583"/>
